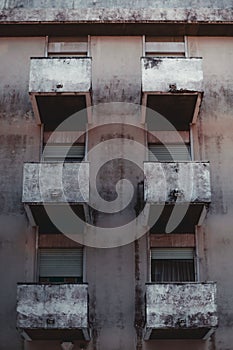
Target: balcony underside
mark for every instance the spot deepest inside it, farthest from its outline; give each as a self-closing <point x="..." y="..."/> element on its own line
<point x="53" y="109"/>
<point x="38" y="216"/>
<point x="186" y="217"/>
<point x="199" y="333"/>
<point x="179" y="109"/>
<point x="55" y="334"/>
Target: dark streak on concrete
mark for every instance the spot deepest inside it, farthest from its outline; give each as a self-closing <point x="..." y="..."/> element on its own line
<point x="152" y="62"/>
<point x="139" y="315"/>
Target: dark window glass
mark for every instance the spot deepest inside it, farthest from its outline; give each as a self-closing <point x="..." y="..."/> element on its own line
<point x="172" y="270"/>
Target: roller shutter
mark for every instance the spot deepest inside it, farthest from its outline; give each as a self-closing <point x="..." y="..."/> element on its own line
<point x="173" y="152"/>
<point x="64" y="152"/>
<point x="172" y="253"/>
<point x="61" y="262"/>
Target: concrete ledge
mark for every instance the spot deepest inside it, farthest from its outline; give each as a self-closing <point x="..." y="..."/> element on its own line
<point x="116" y="15"/>
<point x="78" y="4"/>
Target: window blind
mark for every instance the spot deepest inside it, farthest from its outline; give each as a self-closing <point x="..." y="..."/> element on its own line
<point x="172" y="265"/>
<point x="173" y="152"/>
<point x="60" y="262"/>
<point x="64" y="152"/>
<point x="172" y="253"/>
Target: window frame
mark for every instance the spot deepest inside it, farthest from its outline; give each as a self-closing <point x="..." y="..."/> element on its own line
<point x="160" y="41"/>
<point x="83" y="269"/>
<point x="174" y="248"/>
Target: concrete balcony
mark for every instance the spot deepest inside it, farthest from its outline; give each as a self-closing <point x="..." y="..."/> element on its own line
<point x="50" y="187"/>
<point x="53" y="311"/>
<point x="178" y="194"/>
<point x="180" y="310"/>
<point x="173" y="88"/>
<point x="59" y="88"/>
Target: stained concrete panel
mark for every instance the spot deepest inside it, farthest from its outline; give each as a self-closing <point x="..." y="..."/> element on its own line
<point x="55" y="182"/>
<point x="9" y="4"/>
<point x="213" y="141"/>
<point x="19" y="139"/>
<point x="183" y="182"/>
<point x="181" y="306"/>
<point x="158" y="74"/>
<point x="52" y="307"/>
<point x="60" y="75"/>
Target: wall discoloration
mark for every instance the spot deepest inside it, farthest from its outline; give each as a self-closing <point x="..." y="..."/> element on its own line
<point x="116" y="70"/>
<point x="111" y="273"/>
<point x="214" y="141"/>
<point x="187" y="305"/>
<point x="159" y="74"/>
<point x="115" y="14"/>
<point x="8" y="4"/>
<point x="150" y="62"/>
<point x="66" y="304"/>
<point x="15" y="106"/>
<point x="19" y="140"/>
<point x="60" y="75"/>
<point x="190" y="181"/>
<point x="139" y="299"/>
<point x="56" y="182"/>
<point x="15" y="148"/>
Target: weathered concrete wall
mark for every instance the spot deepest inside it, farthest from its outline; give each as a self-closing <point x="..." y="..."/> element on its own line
<point x="116" y="69"/>
<point x="194" y="304"/>
<point x="118" y="15"/>
<point x="66" y="304"/>
<point x="56" y="182"/>
<point x="191" y="180"/>
<point x="111" y="273"/>
<point x="159" y="73"/>
<point x="213" y="140"/>
<point x="8" y="4"/>
<point x="19" y="139"/>
<point x="116" y="78"/>
<point x="60" y="75"/>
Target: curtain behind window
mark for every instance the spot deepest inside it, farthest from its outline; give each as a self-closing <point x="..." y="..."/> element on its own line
<point x="177" y="270"/>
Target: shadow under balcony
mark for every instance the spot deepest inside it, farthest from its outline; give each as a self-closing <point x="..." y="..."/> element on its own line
<point x="180" y="310"/>
<point x="172" y="87"/>
<point x="53" y="311"/>
<point x="178" y="194"/>
<point x="61" y="87"/>
<point x="54" y="191"/>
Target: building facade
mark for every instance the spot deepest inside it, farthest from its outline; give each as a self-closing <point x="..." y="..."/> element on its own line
<point x="116" y="162"/>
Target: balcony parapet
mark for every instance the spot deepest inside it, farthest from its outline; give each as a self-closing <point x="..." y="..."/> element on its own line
<point x="180" y="310"/>
<point x="52" y="311"/>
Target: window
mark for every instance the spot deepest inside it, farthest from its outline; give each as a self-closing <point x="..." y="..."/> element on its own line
<point x="67" y="153"/>
<point x="165" y="46"/>
<point x="61" y="265"/>
<point x="169" y="153"/>
<point x="68" y="46"/>
<point x="172" y="265"/>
